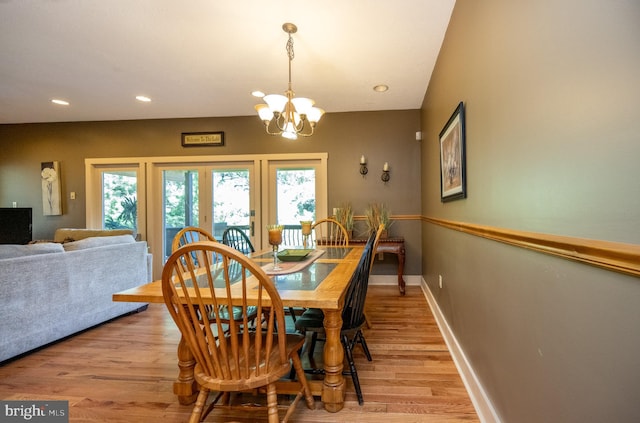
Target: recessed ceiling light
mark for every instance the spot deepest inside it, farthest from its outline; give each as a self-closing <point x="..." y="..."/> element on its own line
<point x="60" y="102"/>
<point x="380" y="88"/>
<point x="257" y="93"/>
<point x="143" y="98"/>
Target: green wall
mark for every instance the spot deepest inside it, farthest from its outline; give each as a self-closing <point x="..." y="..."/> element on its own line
<point x="550" y="89"/>
<point x="384" y="136"/>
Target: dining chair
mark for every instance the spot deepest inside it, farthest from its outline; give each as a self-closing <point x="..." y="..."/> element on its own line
<point x="235" y="237"/>
<point x="329" y="232"/>
<point x="353" y="318"/>
<point x="241" y="360"/>
<point x="192" y="234"/>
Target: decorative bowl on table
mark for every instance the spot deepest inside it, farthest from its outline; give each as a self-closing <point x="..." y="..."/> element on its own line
<point x="297" y="254"/>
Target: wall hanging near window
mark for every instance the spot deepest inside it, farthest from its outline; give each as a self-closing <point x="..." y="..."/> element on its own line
<point x="203" y="139"/>
<point x="453" y="172"/>
<point x="51" y="191"/>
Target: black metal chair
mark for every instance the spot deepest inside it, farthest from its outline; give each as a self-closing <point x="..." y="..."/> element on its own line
<point x="353" y="318"/>
<point x="235" y="237"/>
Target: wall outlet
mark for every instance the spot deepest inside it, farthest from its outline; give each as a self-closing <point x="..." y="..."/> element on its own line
<point x="440" y="280"/>
<point x="15" y="204"/>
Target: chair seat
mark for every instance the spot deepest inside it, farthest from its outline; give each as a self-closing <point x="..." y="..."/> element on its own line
<point x="312" y="320"/>
<point x="235" y="382"/>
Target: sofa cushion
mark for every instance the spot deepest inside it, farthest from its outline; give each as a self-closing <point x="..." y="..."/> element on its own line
<point x="72" y="234"/>
<point x="13" y="251"/>
<point x="98" y="241"/>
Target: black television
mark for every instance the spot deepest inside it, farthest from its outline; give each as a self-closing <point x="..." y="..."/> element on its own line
<point x="16" y="225"/>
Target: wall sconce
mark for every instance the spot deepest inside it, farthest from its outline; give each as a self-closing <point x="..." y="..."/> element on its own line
<point x="363" y="166"/>
<point x="385" y="173"/>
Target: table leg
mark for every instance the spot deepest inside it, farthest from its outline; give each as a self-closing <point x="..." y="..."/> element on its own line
<point x="401" y="284"/>
<point x="185" y="387"/>
<point x="333" y="389"/>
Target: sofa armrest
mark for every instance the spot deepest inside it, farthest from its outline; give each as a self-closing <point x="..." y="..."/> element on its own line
<point x="71" y="234"/>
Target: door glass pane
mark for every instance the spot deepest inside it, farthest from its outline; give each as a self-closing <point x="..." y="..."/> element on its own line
<point x="231" y="200"/>
<point x="295" y="195"/>
<point x="295" y="201"/>
<point x="180" y="203"/>
<point x="119" y="199"/>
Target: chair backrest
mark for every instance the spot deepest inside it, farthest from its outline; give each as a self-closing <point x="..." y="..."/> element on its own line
<point x="381" y="229"/>
<point x="243" y="357"/>
<point x="353" y="311"/>
<point x="238" y="239"/>
<point x="188" y="235"/>
<point x="330" y="232"/>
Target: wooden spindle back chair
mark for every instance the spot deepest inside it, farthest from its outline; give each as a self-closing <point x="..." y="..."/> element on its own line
<point x="329" y="232"/>
<point x="188" y="235"/>
<point x="241" y="360"/>
<point x="192" y="234"/>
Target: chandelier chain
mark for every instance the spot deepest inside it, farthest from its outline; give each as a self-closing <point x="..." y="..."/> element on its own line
<point x="290" y="48"/>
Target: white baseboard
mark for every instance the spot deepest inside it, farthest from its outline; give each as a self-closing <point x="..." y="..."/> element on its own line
<point x="481" y="402"/>
<point x="415" y="280"/>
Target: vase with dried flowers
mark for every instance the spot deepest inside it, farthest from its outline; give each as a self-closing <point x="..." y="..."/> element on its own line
<point x="376" y="214"/>
<point x="344" y="215"/>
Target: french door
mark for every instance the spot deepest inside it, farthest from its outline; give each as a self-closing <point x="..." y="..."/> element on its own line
<point x="210" y="196"/>
<point x="293" y="191"/>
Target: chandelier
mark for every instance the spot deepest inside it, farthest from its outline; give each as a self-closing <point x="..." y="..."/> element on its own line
<point x="287" y="114"/>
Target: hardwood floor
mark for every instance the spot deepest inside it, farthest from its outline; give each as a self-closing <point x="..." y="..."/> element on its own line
<point x="123" y="371"/>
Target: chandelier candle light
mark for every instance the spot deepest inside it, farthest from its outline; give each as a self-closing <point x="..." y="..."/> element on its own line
<point x="287" y="114"/>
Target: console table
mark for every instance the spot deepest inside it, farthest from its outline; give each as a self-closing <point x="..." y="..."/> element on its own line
<point x="393" y="245"/>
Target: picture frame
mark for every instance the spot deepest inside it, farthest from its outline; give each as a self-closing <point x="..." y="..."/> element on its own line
<point x="203" y="139"/>
<point x="453" y="169"/>
<point x="51" y="189"/>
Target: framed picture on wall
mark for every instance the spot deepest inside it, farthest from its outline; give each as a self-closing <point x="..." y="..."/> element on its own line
<point x="453" y="172"/>
<point x="51" y="190"/>
<point x="203" y="139"/>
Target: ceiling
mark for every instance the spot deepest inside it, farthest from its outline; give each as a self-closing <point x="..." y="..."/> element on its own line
<point x="202" y="58"/>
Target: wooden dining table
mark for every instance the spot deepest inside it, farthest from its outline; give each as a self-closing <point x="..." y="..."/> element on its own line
<point x="320" y="284"/>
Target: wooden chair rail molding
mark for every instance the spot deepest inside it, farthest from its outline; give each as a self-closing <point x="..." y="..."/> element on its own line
<point x="393" y="217"/>
<point x="619" y="257"/>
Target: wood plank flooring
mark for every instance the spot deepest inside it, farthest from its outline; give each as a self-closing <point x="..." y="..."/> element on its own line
<point x="123" y="371"/>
